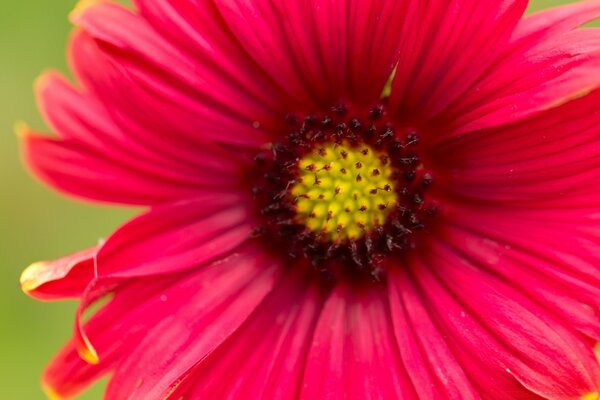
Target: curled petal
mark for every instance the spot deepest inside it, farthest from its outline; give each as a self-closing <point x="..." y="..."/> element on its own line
<point x="66" y="277"/>
<point x="204" y="311"/>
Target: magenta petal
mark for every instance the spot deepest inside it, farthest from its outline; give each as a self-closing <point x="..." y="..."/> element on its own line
<point x="326" y="51"/>
<point x="201" y="102"/>
<point x="78" y="115"/>
<point x="475" y="348"/>
<point x="96" y="158"/>
<point x="112" y="332"/>
<point x="135" y="309"/>
<point x="429" y="361"/>
<point x="546" y="23"/>
<point x="177" y="236"/>
<point x="82" y="171"/>
<point x="205" y="311"/>
<point x="166" y="240"/>
<point x="551" y="71"/>
<point x="354" y="354"/>
<point x="445" y="47"/>
<point x="201" y="36"/>
<point x="539" y="159"/>
<point x="570" y="297"/>
<point x="262" y="363"/>
<point x="502" y="332"/>
<point x="68" y="374"/>
<point x="66" y="277"/>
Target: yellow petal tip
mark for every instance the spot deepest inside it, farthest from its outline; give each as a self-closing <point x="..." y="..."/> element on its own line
<point x="81" y="7"/>
<point x="42" y="81"/>
<point x="51" y="393"/>
<point x="21" y="129"/>
<point x="30" y="278"/>
<point x="88" y="353"/>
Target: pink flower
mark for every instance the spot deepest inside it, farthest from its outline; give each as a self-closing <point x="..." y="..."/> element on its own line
<point x="310" y="237"/>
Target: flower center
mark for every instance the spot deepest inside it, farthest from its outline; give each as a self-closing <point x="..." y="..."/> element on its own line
<point x="343" y="191"/>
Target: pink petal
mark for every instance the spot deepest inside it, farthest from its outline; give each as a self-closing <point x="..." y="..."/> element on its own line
<point x="555" y="260"/>
<point x="204" y="312"/>
<point x="112" y="331"/>
<point x="547" y="158"/>
<point x="191" y="96"/>
<point x="177" y="236"/>
<point x="429" y="361"/>
<point x="169" y="239"/>
<point x="90" y="122"/>
<point x="543" y="280"/>
<point x="82" y="171"/>
<point x="159" y="125"/>
<point x="547" y="23"/>
<point x="66" y="277"/>
<point x="474" y="348"/>
<point x="255" y="362"/>
<point x="539" y="71"/>
<point x="97" y="159"/>
<point x="199" y="32"/>
<point x="566" y="242"/>
<point x="354" y="354"/>
<point x="446" y="46"/>
<point x="68" y="374"/>
<point x="326" y="51"/>
<point x="500" y="331"/>
<point x="134" y="311"/>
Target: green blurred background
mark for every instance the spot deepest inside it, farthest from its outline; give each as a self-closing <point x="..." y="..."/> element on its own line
<point x="35" y="222"/>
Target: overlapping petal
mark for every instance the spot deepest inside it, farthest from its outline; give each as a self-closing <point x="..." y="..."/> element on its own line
<point x="177" y="236"/>
<point x="550" y="158"/>
<point x="429" y="361"/>
<point x="254" y="363"/>
<point x="203" y="312"/>
<point x="546" y="63"/>
<point x="549" y="278"/>
<point x="194" y="92"/>
<point x="507" y="344"/>
<point x="66" y="277"/>
<point x="446" y="46"/>
<point x="118" y="325"/>
<point x="96" y="157"/>
<point x="168" y="239"/>
<point x="139" y="311"/>
<point x="315" y="59"/>
<point x="354" y="354"/>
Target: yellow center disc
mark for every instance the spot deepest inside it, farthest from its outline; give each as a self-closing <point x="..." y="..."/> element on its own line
<point x="343" y="191"/>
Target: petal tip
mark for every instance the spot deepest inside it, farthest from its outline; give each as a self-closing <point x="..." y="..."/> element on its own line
<point x="30" y="277"/>
<point x="51" y="393"/>
<point x="81" y="7"/>
<point x="21" y="129"/>
<point x="88" y="353"/>
<point x="43" y="81"/>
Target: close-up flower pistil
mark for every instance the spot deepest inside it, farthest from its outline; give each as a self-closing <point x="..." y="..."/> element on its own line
<point x="344" y="199"/>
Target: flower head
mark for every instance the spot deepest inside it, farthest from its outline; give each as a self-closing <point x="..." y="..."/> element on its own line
<point x="370" y="199"/>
